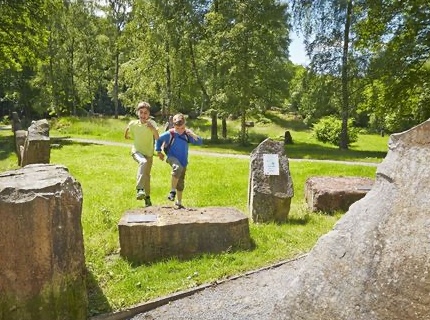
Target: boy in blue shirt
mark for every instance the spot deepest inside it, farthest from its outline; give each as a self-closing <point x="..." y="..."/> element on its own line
<point x="175" y="142"/>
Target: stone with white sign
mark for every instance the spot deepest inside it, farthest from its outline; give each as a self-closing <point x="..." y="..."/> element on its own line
<point x="270" y="185"/>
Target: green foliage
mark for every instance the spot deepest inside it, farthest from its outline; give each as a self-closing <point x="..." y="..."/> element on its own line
<point x="5" y="120"/>
<point x="328" y="130"/>
<point x="23" y="34"/>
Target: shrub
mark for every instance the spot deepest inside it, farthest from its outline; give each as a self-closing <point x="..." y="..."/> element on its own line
<point x="328" y="129"/>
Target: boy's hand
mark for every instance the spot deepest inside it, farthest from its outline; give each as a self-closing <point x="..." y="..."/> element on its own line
<point x="160" y="155"/>
<point x="191" y="133"/>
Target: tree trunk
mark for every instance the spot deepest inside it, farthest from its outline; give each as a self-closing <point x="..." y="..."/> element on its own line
<point x="343" y="141"/>
<point x="214" y="126"/>
<point x="243" y="131"/>
<point x="224" y="127"/>
<point x="168" y="81"/>
<point x="115" y="87"/>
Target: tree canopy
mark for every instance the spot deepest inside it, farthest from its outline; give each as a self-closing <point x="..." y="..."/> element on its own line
<point x="369" y="59"/>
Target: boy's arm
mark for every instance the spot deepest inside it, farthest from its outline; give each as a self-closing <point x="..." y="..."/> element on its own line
<point x="127" y="133"/>
<point x="154" y="128"/>
<point x="194" y="138"/>
<point x="158" y="144"/>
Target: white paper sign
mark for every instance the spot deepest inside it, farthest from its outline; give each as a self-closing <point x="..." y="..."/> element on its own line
<point x="271" y="164"/>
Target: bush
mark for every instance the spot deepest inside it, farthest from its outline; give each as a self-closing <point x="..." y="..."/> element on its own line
<point x="328" y="130"/>
<point x="5" y="120"/>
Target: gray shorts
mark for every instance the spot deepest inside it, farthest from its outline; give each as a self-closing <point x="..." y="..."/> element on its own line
<point x="178" y="171"/>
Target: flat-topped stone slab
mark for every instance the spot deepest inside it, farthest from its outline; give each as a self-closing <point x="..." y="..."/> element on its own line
<point x="329" y="194"/>
<point x="156" y="233"/>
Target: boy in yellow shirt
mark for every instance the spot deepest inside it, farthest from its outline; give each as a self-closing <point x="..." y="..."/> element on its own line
<point x="144" y="132"/>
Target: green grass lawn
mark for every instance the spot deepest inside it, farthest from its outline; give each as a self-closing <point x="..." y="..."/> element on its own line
<point x="107" y="176"/>
<point x="368" y="148"/>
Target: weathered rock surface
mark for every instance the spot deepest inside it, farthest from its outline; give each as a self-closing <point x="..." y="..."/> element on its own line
<point x="42" y="263"/>
<point x="154" y="233"/>
<point x="37" y="147"/>
<point x="16" y="122"/>
<point x="20" y="136"/>
<point x="329" y="194"/>
<point x="269" y="196"/>
<point x="375" y="263"/>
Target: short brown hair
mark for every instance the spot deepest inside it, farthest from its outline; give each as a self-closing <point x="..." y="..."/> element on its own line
<point x="143" y="105"/>
<point x="179" y="117"/>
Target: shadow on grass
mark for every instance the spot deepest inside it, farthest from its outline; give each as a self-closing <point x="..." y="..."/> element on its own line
<point x="304" y="151"/>
<point x="97" y="302"/>
<point x="292" y="124"/>
<point x="298" y="221"/>
<point x="7" y="147"/>
<point x="315" y="151"/>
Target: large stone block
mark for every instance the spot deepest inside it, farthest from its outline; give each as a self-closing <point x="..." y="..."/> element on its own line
<point x="37" y="146"/>
<point x="155" y="233"/>
<point x="42" y="263"/>
<point x="329" y="194"/>
<point x="375" y="263"/>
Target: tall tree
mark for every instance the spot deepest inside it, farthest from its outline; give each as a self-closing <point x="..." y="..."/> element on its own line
<point x="22" y="32"/>
<point x="328" y="29"/>
<point x="396" y="37"/>
<point x="118" y="13"/>
<point x="252" y="56"/>
<point x="23" y="38"/>
<point x="163" y="36"/>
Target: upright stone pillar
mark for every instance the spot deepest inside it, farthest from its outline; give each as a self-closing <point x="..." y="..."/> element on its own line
<point x="42" y="263"/>
<point x="37" y="146"/>
<point x="20" y="136"/>
<point x="16" y="122"/>
<point x="270" y="184"/>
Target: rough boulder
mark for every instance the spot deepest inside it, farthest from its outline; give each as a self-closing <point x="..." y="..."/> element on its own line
<point x="375" y="263"/>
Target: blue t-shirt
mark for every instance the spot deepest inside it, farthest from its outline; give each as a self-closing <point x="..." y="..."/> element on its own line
<point x="179" y="147"/>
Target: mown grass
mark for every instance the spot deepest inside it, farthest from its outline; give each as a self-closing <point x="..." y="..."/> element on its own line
<point x="107" y="176"/>
<point x="368" y="148"/>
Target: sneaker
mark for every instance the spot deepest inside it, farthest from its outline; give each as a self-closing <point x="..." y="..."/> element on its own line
<point x="148" y="202"/>
<point x="179" y="206"/>
<point x="140" y="194"/>
<point x="171" y="195"/>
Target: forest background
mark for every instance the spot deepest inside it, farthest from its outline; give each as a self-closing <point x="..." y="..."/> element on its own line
<point x="368" y="60"/>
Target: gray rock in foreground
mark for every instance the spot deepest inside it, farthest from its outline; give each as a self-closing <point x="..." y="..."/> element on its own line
<point x="42" y="262"/>
<point x="375" y="263"/>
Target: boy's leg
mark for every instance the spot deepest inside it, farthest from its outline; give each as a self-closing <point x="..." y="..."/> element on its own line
<point x="140" y="186"/>
<point x="147" y="181"/>
<point x="146" y="175"/>
<point x="180" y="188"/>
<point x="177" y="171"/>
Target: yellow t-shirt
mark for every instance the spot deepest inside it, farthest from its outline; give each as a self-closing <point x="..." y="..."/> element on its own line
<point x="143" y="138"/>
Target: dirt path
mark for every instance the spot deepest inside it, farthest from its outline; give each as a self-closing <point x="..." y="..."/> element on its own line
<point x="250" y="296"/>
